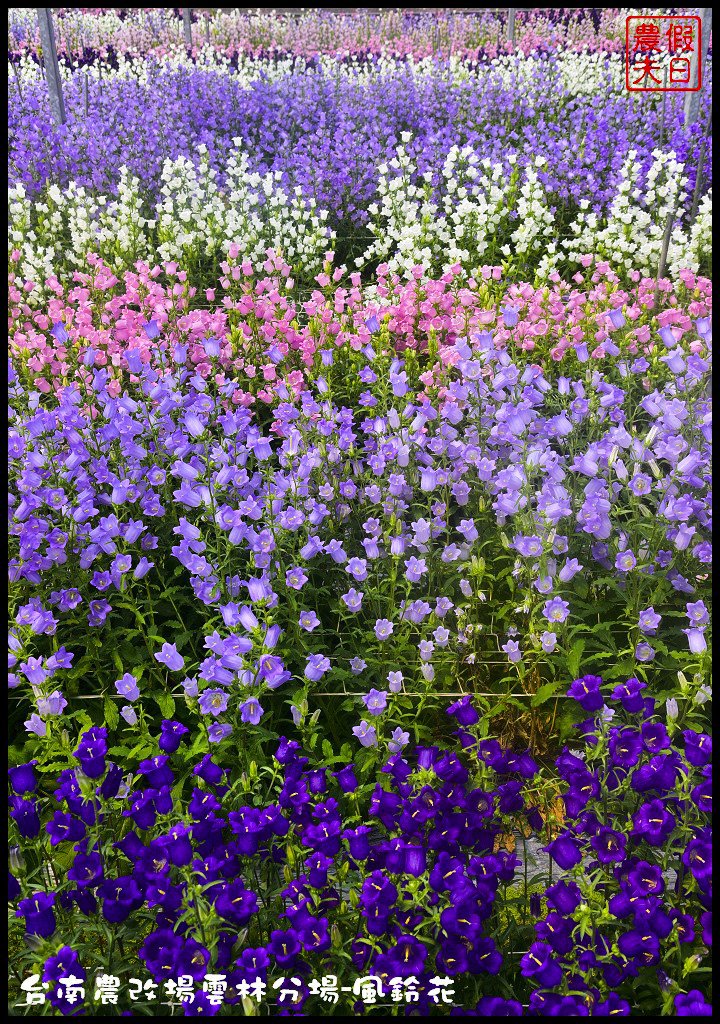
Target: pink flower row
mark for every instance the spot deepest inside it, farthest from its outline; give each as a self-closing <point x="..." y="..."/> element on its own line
<point x="256" y="321"/>
<point x="313" y="34"/>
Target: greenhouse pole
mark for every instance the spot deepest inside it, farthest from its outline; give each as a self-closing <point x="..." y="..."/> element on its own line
<point x="700" y="166"/>
<point x="663" y="254"/>
<point x="511" y="24"/>
<point x="188" y="26"/>
<point x="17" y="78"/>
<point x="52" y="68"/>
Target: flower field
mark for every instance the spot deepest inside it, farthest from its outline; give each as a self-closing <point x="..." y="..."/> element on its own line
<point x="359" y="518"/>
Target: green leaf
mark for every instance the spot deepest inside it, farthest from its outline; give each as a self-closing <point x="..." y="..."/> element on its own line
<point x="81" y="667"/>
<point x="502" y="705"/>
<point x="112" y="715"/>
<point x="82" y="717"/>
<point x="141" y="750"/>
<point x="198" y="745"/>
<point x="131" y="608"/>
<point x="133" y="654"/>
<point x="178" y="787"/>
<point x="166" y="704"/>
<point x="327" y="749"/>
<point x="544" y="693"/>
<point x="181" y="638"/>
<point x="55" y="766"/>
<point x="574" y="659"/>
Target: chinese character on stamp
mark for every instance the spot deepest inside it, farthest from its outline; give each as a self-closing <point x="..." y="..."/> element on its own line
<point x="663" y="53"/>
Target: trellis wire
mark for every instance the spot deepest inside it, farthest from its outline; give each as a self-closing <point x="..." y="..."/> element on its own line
<point x="321" y="693"/>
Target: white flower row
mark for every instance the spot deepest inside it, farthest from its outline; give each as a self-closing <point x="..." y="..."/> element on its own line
<point x="481" y="205"/>
<point x="192" y="221"/>
<point x="575" y="74"/>
<point x="631" y="236"/>
<point x="485" y="216"/>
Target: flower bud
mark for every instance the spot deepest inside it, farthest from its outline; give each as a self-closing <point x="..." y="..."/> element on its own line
<point x="691" y="964"/>
<point x="16" y="859"/>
